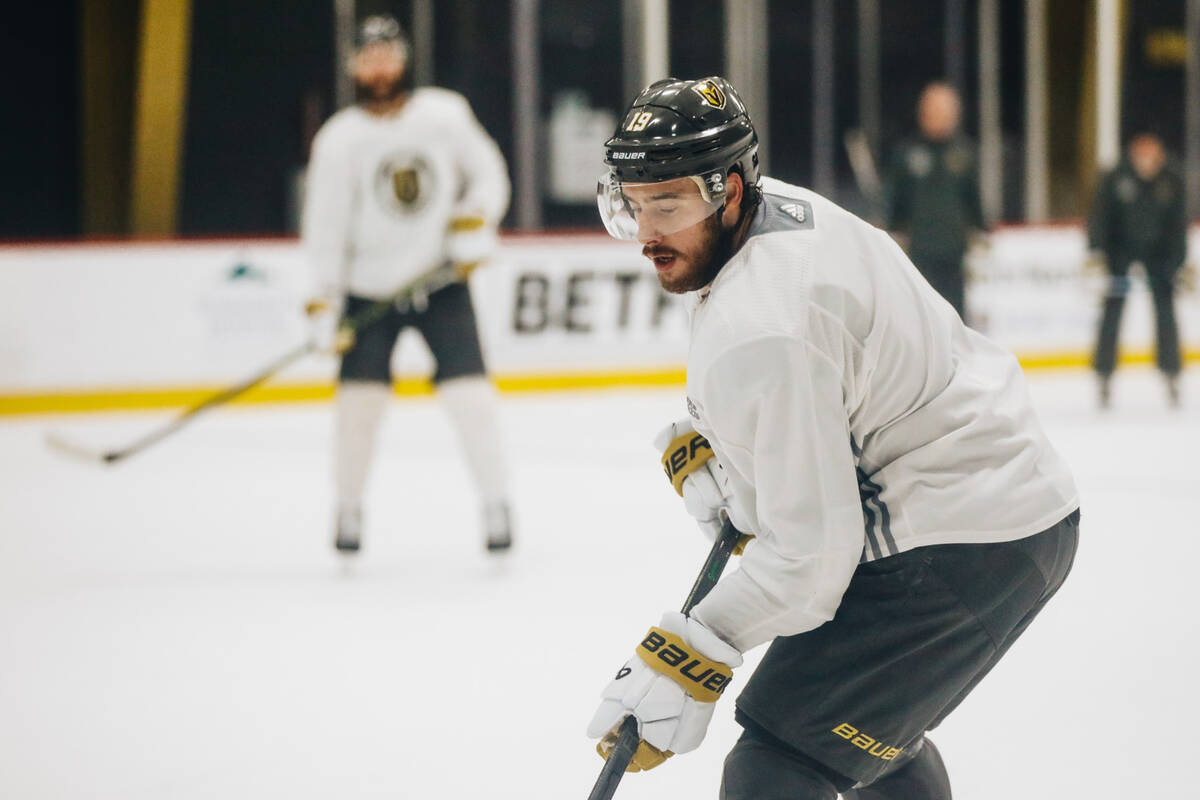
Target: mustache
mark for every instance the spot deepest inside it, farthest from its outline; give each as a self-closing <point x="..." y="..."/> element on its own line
<point x="655" y="252"/>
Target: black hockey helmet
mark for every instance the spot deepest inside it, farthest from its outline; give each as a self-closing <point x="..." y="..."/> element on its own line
<point x="697" y="129"/>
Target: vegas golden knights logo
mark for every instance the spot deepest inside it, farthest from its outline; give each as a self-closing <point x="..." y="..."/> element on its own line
<point x="711" y="93"/>
<point x="406" y="185"/>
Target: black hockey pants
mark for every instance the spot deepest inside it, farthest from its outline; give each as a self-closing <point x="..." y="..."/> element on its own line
<point x="1166" y="331"/>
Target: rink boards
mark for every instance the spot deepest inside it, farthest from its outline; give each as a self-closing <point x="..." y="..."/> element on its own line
<point x="94" y="326"/>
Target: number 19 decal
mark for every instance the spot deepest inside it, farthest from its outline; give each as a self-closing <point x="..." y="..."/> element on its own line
<point x="639" y="122"/>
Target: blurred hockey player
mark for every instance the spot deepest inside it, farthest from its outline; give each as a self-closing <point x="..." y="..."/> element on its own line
<point x="932" y="194"/>
<point x="400" y="184"/>
<point x="910" y="516"/>
<point x="1139" y="216"/>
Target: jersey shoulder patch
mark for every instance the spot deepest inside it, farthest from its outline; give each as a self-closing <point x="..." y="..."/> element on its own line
<point x="798" y="210"/>
<point x="781" y="213"/>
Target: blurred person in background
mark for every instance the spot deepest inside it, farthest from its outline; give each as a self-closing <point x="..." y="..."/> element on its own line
<point x="405" y="187"/>
<point x="1139" y="217"/>
<point x="932" y="204"/>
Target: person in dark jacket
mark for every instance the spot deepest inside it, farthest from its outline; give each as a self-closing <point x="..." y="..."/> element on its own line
<point x="1139" y="217"/>
<point x="932" y="194"/>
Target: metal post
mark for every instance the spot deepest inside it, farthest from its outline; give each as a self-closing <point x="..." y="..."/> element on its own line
<point x="422" y="37"/>
<point x="656" y="48"/>
<point x="955" y="19"/>
<point x="991" y="133"/>
<point x="1108" y="83"/>
<point x="527" y="91"/>
<point x="824" y="152"/>
<point x="631" y="48"/>
<point x="645" y="25"/>
<point x="746" y="62"/>
<point x="1037" y="120"/>
<point x="1192" y="106"/>
<point x="343" y="47"/>
<point x="868" y="73"/>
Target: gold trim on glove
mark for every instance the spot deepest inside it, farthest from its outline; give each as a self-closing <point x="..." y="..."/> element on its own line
<point x="684" y="455"/>
<point x="465" y="224"/>
<point x="668" y="654"/>
<point x="647" y="756"/>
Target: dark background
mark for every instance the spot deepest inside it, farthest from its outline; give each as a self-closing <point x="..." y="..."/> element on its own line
<point x="261" y="81"/>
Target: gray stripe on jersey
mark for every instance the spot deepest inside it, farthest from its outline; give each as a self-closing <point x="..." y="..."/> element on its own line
<point x="869" y="491"/>
<point x="876" y="551"/>
<point x="885" y="518"/>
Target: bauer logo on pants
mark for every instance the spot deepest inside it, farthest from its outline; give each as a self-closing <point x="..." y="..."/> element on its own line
<point x="868" y="743"/>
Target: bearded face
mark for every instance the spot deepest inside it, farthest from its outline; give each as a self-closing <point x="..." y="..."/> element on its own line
<point x="690" y="259"/>
<point x="378" y="71"/>
<point x="686" y="254"/>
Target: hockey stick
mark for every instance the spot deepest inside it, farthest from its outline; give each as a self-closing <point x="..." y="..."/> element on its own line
<point x="427" y="283"/>
<point x="627" y="739"/>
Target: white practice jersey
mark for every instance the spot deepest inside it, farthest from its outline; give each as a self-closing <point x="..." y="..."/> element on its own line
<point x="856" y="416"/>
<point x="382" y="191"/>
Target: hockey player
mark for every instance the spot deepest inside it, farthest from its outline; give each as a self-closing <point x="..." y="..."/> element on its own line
<point x="910" y="516"/>
<point x="402" y="182"/>
<point x="932" y="194"/>
<point x="1139" y="215"/>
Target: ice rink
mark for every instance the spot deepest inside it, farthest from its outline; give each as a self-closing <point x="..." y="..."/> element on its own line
<point x="178" y="626"/>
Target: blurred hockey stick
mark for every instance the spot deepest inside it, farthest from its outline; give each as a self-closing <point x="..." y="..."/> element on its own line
<point x="410" y="294"/>
<point x="627" y="739"/>
<point x="862" y="164"/>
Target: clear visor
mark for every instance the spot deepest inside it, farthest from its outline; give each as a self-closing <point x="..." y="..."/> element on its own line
<point x="647" y="211"/>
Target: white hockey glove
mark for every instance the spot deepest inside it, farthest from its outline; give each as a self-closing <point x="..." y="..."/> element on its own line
<point x="469" y="242"/>
<point x="671" y="686"/>
<point x="327" y="330"/>
<point x="699" y="478"/>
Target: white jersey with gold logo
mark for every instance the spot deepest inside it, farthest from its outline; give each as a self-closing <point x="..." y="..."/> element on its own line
<point x="856" y="416"/>
<point x="382" y="191"/>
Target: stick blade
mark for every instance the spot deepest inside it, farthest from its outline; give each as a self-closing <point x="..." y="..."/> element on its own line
<point x="58" y="443"/>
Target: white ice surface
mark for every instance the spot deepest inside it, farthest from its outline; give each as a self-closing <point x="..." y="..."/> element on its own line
<point x="178" y="626"/>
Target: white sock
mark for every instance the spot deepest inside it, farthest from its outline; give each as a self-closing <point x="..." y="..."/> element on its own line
<point x="360" y="407"/>
<point x="471" y="404"/>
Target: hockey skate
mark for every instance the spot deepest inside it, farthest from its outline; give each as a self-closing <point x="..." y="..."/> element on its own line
<point x="349" y="530"/>
<point x="497" y="526"/>
<point x="1105" y="391"/>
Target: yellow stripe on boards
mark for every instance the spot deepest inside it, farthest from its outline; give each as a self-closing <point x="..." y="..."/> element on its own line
<point x="116" y="399"/>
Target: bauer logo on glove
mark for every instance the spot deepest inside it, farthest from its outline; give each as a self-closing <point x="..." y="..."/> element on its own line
<point x="684" y="455"/>
<point x="702" y="678"/>
<point x="698" y="477"/>
<point x="671" y="687"/>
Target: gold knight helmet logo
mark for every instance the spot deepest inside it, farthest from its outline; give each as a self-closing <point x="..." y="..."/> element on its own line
<point x="406" y="185"/>
<point x="710" y="92"/>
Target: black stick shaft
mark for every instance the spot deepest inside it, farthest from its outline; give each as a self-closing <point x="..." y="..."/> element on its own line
<point x="627" y="740"/>
<point x="220" y="398"/>
<point x="430" y="281"/>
